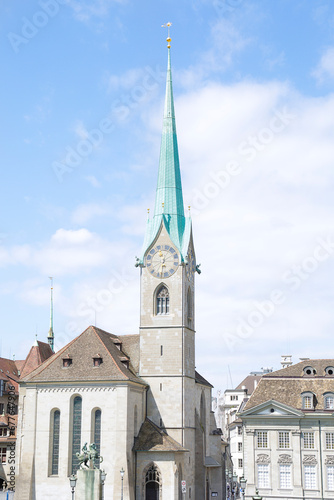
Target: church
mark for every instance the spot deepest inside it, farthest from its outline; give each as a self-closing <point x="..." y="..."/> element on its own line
<point x="137" y="397"/>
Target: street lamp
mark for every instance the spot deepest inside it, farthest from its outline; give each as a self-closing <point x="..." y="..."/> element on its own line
<point x="230" y="482"/>
<point x="122" y="471"/>
<point x="103" y="478"/>
<point x="73" y="481"/>
<point x="257" y="496"/>
<point x="243" y="483"/>
<point x="235" y="479"/>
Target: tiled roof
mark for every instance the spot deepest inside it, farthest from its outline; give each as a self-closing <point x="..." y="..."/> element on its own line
<point x="152" y="438"/>
<point x="250" y="382"/>
<point x="286" y="385"/>
<point x="8" y="368"/>
<point x="93" y="342"/>
<point x="37" y="355"/>
<point x="201" y="380"/>
<point x="130" y="346"/>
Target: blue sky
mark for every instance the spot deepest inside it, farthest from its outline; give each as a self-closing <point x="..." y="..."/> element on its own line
<point x="253" y="86"/>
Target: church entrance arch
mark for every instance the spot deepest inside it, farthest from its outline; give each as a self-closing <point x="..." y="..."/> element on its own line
<point x="152" y="483"/>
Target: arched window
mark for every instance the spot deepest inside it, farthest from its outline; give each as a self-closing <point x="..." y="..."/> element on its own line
<point x="162" y="301"/>
<point x="152" y="483"/>
<point x="76" y="432"/>
<point x="308" y="370"/>
<point x="97" y="434"/>
<point x="54" y="441"/>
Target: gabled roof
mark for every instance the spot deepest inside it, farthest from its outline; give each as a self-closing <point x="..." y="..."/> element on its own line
<point x="250" y="382"/>
<point x="274" y="409"/>
<point x="93" y="342"/>
<point x="152" y="438"/>
<point x="201" y="380"/>
<point x="39" y="352"/>
<point x="8" y="368"/>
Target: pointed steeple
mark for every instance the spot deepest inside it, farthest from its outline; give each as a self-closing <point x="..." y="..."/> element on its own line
<point x="169" y="199"/>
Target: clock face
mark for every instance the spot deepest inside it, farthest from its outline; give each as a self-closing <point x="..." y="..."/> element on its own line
<point x="190" y="267"/>
<point x="162" y="261"/>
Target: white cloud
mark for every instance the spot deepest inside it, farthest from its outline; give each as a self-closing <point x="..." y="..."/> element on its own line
<point x="325" y="70"/>
<point x="86" y="212"/>
<point x="93" y="181"/>
<point x="86" y="10"/>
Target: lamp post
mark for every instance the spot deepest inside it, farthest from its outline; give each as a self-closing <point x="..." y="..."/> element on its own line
<point x="243" y="483"/>
<point x="103" y="478"/>
<point x="122" y="471"/>
<point x="235" y="480"/>
<point x="257" y="496"/>
<point x="73" y="481"/>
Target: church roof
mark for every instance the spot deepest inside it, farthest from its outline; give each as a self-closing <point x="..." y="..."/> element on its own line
<point x="152" y="438"/>
<point x="92" y="343"/>
<point x="288" y="384"/>
<point x="201" y="380"/>
<point x="169" y="199"/>
<point x="39" y="352"/>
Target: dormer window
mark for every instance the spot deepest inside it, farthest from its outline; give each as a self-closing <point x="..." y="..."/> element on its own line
<point x="67" y="362"/>
<point x="308" y="401"/>
<point x="308" y="370"/>
<point x="125" y="363"/>
<point x="97" y="360"/>
<point x="329" y="401"/>
<point x="329" y="370"/>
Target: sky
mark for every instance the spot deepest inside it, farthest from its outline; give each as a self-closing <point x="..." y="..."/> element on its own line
<point x="82" y="90"/>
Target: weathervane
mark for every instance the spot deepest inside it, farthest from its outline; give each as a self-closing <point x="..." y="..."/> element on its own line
<point x="168" y="25"/>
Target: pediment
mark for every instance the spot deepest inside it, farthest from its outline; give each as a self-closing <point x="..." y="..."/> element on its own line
<point x="272" y="408"/>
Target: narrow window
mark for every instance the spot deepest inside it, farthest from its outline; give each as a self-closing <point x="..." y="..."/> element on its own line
<point x="283" y="439"/>
<point x="240" y="463"/>
<point x="310" y="477"/>
<point x="189" y="307"/>
<point x="162" y="305"/>
<point x="135" y="420"/>
<point x="3" y="453"/>
<point x="263" y="475"/>
<point x="97" y="435"/>
<point x="285" y="476"/>
<point x="330" y="477"/>
<point x="329" y="440"/>
<point x="76" y="432"/>
<point x="262" y="439"/>
<point x="55" y="442"/>
<point x="239" y="446"/>
<point x="309" y="440"/>
<point x="160" y="387"/>
<point x="161" y="350"/>
<point x="239" y="431"/>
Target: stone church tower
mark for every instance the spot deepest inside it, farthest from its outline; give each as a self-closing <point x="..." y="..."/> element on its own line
<point x="138" y="397"/>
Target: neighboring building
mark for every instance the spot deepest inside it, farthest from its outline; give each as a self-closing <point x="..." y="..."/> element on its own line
<point x="138" y="397"/>
<point x="226" y="408"/>
<point x="289" y="433"/>
<point x="10" y="372"/>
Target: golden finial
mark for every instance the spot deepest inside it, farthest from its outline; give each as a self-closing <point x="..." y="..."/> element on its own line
<point x="148" y="211"/>
<point x="163" y="205"/>
<point x="168" y="25"/>
<point x="189" y="208"/>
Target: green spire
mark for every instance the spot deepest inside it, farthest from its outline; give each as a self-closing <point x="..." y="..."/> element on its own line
<point x="169" y="199"/>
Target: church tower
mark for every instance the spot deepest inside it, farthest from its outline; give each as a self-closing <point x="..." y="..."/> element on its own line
<point x="167" y="314"/>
